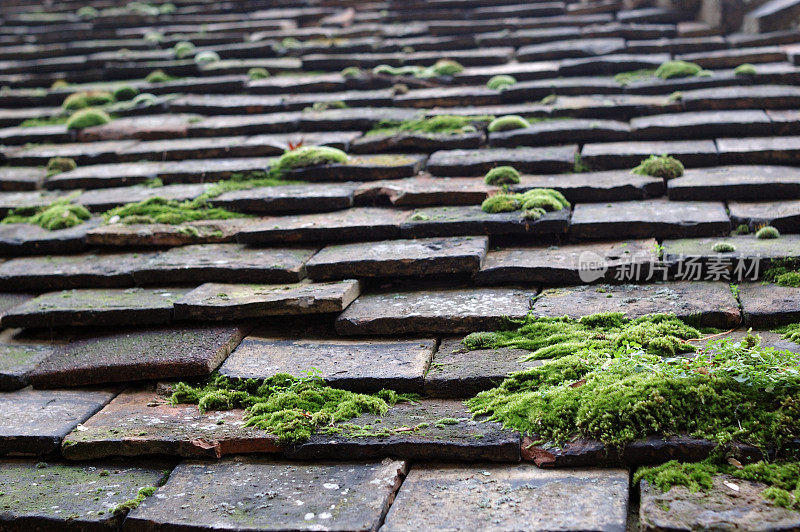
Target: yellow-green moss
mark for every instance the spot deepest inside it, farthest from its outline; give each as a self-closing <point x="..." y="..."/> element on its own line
<point x="60" y="214"/>
<point x="123" y="93"/>
<point x="500" y="82"/>
<point x="677" y="69"/>
<point x="87" y="118"/>
<point x="745" y="69"/>
<point x="84" y="99"/>
<point x="158" y="76"/>
<point x="439" y="124"/>
<point x="664" y="166"/>
<point x="306" y="156"/>
<point x="183" y="49"/>
<point x="723" y="247"/>
<point x="57" y="165"/>
<point x="502" y="175"/>
<point x="257" y="73"/>
<point x="160" y="210"/>
<point x="767" y="232"/>
<point x="508" y="122"/>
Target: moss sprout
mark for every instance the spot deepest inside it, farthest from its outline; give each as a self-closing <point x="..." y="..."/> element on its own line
<point x="502" y="175"/>
<point x="256" y="73"/>
<point x="290" y="408"/>
<point x="352" y="72"/>
<point x="183" y="49"/>
<point x="306" y="156"/>
<point x="723" y="247"/>
<point x="132" y="504"/>
<point x="500" y="82"/>
<point x="677" y="69"/>
<point x="61" y="214"/>
<point x="767" y="232"/>
<point x="123" y="93"/>
<point x="664" y="166"/>
<point x="500" y="203"/>
<point x="447" y="67"/>
<point x="507" y="123"/>
<point x="57" y="165"/>
<point x="84" y="99"/>
<point x="206" y="57"/>
<point x="158" y="76"/>
<point x="87" y="118"/>
<point x="745" y="69"/>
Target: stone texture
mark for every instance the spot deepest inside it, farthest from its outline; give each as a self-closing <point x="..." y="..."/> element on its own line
<point x="288" y="199"/>
<point x="766" y="306"/>
<point x="223" y="263"/>
<point x="409" y="142"/>
<point x="66" y="496"/>
<point x="736" y="182"/>
<point x="570" y="263"/>
<point x="433" y="311"/>
<point x="143" y="422"/>
<point x="657" y="218"/>
<point x="358" y="365"/>
<point x="547" y="160"/>
<point x="363" y="168"/>
<point x="759" y="150"/>
<point x="609" y="155"/>
<point x="21" y="178"/>
<point x="95" y="307"/>
<point x="101" y="200"/>
<point x="215" y="301"/>
<point x="260" y="494"/>
<point x="703" y="124"/>
<point x="730" y="500"/>
<point x="133" y="355"/>
<point x="784" y="215"/>
<point x="105" y="175"/>
<point x="29" y="239"/>
<point x="397" y="258"/>
<point x="84" y="154"/>
<point x="472" y="220"/>
<point x="747" y="261"/>
<point x="457" y="372"/>
<point x="361" y="223"/>
<point x="425" y="190"/>
<point x="562" y="131"/>
<point x="509" y="497"/>
<point x="167" y="235"/>
<point x="33" y="422"/>
<point x="17" y="361"/>
<point x="702" y="303"/>
<point x="421" y="430"/>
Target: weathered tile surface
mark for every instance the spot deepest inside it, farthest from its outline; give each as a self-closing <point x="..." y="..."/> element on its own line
<point x="54" y="495"/>
<point x="95" y="307"/>
<point x="17" y="361"/>
<point x="133" y="355"/>
<point x="769" y="305"/>
<point x="167" y="235"/>
<point x="472" y="220"/>
<point x="70" y="271"/>
<point x="216" y="301"/>
<point x="30" y="239"/>
<point x="784" y="215"/>
<point x="704" y="303"/>
<point x="425" y="190"/>
<point x="359" y="365"/>
<point x="758" y="150"/>
<point x="260" y="494"/>
<point x="609" y="155"/>
<point x="589" y="187"/>
<point x="433" y="311"/>
<point x="33" y="422"/>
<point x="392" y="258"/>
<point x="288" y="199"/>
<point x="549" y="160"/>
<point x="142" y="422"/>
<point x="509" y="497"/>
<point x="736" y="182"/>
<point x="421" y="430"/>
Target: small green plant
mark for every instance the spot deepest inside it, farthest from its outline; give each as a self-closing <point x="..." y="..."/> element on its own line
<point x="206" y="57"/>
<point x="257" y="73"/>
<point x="723" y="247"/>
<point x="144" y="99"/>
<point x="664" y="166"/>
<point x="676" y="96"/>
<point x="677" y="69"/>
<point x="447" y="67"/>
<point x="123" y="93"/>
<point x="84" y="99"/>
<point x="61" y="214"/>
<point x="579" y="166"/>
<point x="183" y="49"/>
<point x="57" y="165"/>
<point x="158" y="76"/>
<point x="502" y="175"/>
<point x="306" y="156"/>
<point x="500" y="82"/>
<point x="132" y="504"/>
<point x="767" y="232"/>
<point x="507" y="123"/>
<point x="501" y="203"/>
<point x="352" y="72"/>
<point x="87" y="118"/>
<point x="745" y="69"/>
<point x="742" y="229"/>
<point x="290" y="43"/>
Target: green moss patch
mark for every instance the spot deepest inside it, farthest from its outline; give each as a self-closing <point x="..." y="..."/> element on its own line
<point x="244" y="181"/>
<point x="534" y="203"/>
<point x="664" y="166"/>
<point x="442" y="67"/>
<point x="257" y="73"/>
<point x="745" y="69"/>
<point x="291" y="408"/>
<point x="729" y="391"/>
<point x="306" y="156"/>
<point x="500" y="82"/>
<point x="502" y="175"/>
<point x="158" y="76"/>
<point x="441" y="125"/>
<point x="57" y="165"/>
<point x="84" y="99"/>
<point x="163" y="211"/>
<point x="132" y="504"/>
<point x="87" y="118"/>
<point x="767" y="233"/>
<point x="49" y="121"/>
<point x="60" y="214"/>
<point x="678" y="69"/>
<point x="507" y="123"/>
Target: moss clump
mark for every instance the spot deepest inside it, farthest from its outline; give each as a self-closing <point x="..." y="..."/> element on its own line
<point x="500" y="82"/>
<point x="447" y="67"/>
<point x="783" y="272"/>
<point x="742" y="229"/>
<point x="624" y="392"/>
<point x="162" y="211"/>
<point x="677" y="69"/>
<point x="626" y="78"/>
<point x="501" y="203"/>
<point x="318" y="107"/>
<point x="306" y="156"/>
<point x="257" y="73"/>
<point x="123" y="93"/>
<point x="507" y="123"/>
<point x="664" y="166"/>
<point x="84" y="99"/>
<point x="288" y="407"/>
<point x="440" y="124"/>
<point x="244" y="181"/>
<point x="183" y="49"/>
<point x="782" y="478"/>
<point x="206" y="58"/>
<point x="59" y="84"/>
<point x="132" y="504"/>
<point x="745" y="69"/>
<point x="57" y="165"/>
<point x="502" y="175"/>
<point x="87" y="118"/>
<point x="158" y="76"/>
<point x="60" y="214"/>
<point x="723" y="247"/>
<point x="676" y="96"/>
<point x="153" y="36"/>
<point x="659" y="334"/>
<point x="352" y="72"/>
<point x="767" y="232"/>
<point x="144" y="99"/>
<point x="87" y="12"/>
